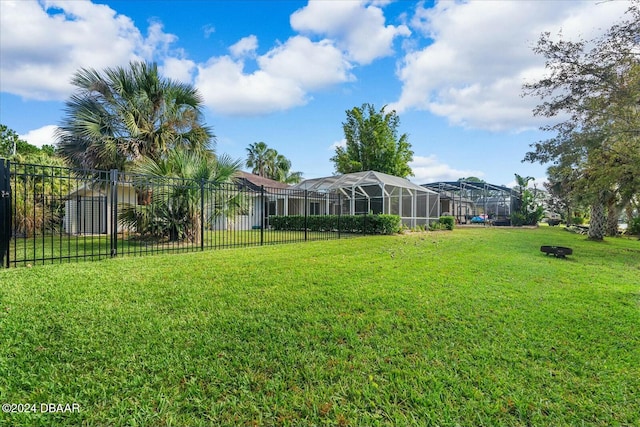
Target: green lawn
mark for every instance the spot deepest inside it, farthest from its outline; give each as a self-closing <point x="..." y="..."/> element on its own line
<point x="470" y="327"/>
<point x="62" y="248"/>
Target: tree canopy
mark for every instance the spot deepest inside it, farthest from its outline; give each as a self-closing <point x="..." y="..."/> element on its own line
<point x="268" y="163"/>
<point x="594" y="88"/>
<point x="372" y="143"/>
<point x="19" y="150"/>
<point x="124" y="114"/>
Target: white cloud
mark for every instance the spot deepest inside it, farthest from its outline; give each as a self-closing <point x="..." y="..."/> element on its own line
<point x="311" y="65"/>
<point x="481" y="55"/>
<point x="283" y="80"/>
<point x="428" y="169"/>
<point x="41" y="136"/>
<point x="208" y="30"/>
<point x="245" y="47"/>
<point x="357" y="27"/>
<point x="228" y="90"/>
<point x="37" y="65"/>
<point x="181" y="70"/>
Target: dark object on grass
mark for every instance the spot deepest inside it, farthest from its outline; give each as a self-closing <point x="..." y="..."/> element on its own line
<point x="553" y="222"/>
<point x="557" y="251"/>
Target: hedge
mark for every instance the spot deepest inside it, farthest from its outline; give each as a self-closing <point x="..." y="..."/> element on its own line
<point x="361" y="224"/>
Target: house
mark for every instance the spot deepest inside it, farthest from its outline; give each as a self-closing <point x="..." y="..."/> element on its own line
<point x="263" y="197"/>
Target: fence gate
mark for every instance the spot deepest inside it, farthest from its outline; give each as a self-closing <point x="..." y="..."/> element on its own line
<point x="5" y="212"/>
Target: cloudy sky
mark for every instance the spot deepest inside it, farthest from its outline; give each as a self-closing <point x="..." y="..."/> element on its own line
<point x="284" y="72"/>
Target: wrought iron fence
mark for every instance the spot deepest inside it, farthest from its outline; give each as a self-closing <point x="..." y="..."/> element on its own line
<point x="54" y="214"/>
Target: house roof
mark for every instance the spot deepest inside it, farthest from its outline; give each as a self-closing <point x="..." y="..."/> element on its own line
<point x="256" y="181"/>
<point x="356" y="179"/>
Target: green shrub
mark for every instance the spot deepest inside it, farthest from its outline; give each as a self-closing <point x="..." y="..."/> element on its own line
<point x="633" y="227"/>
<point x="448" y="221"/>
<point x="577" y="220"/>
<point x="435" y="226"/>
<point x="361" y="224"/>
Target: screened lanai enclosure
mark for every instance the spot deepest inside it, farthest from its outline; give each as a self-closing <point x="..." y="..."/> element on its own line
<point x="480" y="202"/>
<point x="373" y="192"/>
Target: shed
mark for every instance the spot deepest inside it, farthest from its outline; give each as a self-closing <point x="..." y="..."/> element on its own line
<point x="88" y="208"/>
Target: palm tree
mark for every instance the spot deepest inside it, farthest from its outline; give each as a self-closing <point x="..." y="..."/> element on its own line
<point x="282" y="171"/>
<point x="268" y="163"/>
<point x="261" y="158"/>
<point x="122" y="115"/>
<point x="178" y="182"/>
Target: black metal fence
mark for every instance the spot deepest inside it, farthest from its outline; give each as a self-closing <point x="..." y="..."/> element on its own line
<point x="54" y="214"/>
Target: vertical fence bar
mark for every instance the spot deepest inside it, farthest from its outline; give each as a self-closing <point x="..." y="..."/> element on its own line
<point x="306" y="203"/>
<point x="5" y="210"/>
<point x="339" y="214"/>
<point x="113" y="182"/>
<point x="263" y="212"/>
<point x="202" y="214"/>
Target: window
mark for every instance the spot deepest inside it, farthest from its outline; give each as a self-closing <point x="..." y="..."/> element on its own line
<point x="314" y="208"/>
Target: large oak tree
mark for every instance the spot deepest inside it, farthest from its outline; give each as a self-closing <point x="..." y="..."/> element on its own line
<point x="593" y="87"/>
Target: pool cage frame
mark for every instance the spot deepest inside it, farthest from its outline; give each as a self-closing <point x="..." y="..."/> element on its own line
<point x="466" y="200"/>
<point x="372" y="192"/>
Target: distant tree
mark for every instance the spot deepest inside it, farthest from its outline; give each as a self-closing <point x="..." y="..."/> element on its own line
<point x="124" y="114"/>
<point x="282" y="171"/>
<point x="260" y="158"/>
<point x="373" y="143"/>
<point x="471" y="179"/>
<point x="19" y="150"/>
<point x="527" y="210"/>
<point x="268" y="163"/>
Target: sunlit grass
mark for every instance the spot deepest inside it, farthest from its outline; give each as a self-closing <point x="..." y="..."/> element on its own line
<point x="64" y="248"/>
<point x="470" y="327"/>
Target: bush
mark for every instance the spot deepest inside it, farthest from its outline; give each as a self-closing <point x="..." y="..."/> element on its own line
<point x="435" y="226"/>
<point x="361" y="224"/>
<point x="633" y="227"/>
<point x="577" y="220"/>
<point x="448" y="222"/>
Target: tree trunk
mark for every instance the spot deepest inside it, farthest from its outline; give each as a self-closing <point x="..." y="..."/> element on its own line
<point x="613" y="213"/>
<point x="597" y="221"/>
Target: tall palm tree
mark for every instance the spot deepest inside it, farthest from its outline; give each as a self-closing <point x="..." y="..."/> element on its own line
<point x="268" y="163"/>
<point x="125" y="114"/>
<point x="261" y="158"/>
<point x="282" y="171"/>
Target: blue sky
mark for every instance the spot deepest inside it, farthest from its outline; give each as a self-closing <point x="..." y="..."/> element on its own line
<point x="285" y="72"/>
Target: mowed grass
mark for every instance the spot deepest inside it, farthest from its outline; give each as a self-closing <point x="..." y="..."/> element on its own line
<point x="470" y="327"/>
<point x="64" y="248"/>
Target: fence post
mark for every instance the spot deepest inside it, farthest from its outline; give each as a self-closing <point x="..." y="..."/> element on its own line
<point x="262" y="214"/>
<point x="305" y="213"/>
<point x="113" y="182"/>
<point x="5" y="211"/>
<point x="339" y="212"/>
<point x="202" y="214"/>
<point x="364" y="225"/>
